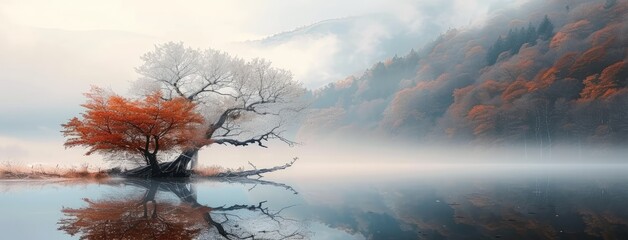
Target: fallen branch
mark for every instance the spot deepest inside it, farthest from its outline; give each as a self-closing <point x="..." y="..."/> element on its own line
<point x="255" y="171"/>
<point x="256" y="182"/>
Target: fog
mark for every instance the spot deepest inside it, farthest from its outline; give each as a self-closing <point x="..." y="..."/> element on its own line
<point x="50" y="63"/>
<point x="345" y="158"/>
<point x="55" y="51"/>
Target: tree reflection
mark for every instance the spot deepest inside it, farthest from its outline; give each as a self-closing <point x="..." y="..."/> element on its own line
<point x="144" y="217"/>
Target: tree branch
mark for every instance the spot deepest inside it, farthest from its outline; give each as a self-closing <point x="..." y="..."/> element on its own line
<point x="259" y="140"/>
<point x="258" y="172"/>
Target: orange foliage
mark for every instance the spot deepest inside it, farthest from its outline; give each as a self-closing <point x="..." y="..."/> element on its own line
<point x="146" y="126"/>
<point x="605" y="34"/>
<point x="590" y="57"/>
<point x="549" y="76"/>
<point x="569" y="31"/>
<point x="610" y="73"/>
<point x="565" y="61"/>
<point x="482" y="118"/>
<point x="603" y="85"/>
<point x="579" y="26"/>
<point x="558" y="39"/>
<point x="458" y="107"/>
<point x="490" y="88"/>
<point x="134" y="219"/>
<point x="545" y="78"/>
<point x="515" y="90"/>
<point x="493" y="86"/>
<point x="590" y="90"/>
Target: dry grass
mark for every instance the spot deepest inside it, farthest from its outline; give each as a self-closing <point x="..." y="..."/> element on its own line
<point x="211" y="171"/>
<point x="16" y="171"/>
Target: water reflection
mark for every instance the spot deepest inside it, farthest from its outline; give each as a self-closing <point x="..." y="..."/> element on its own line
<point x="145" y="217"/>
<point x="519" y="204"/>
<point x="485" y="208"/>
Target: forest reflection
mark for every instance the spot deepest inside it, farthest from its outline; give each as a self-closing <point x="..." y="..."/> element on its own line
<point x="576" y="203"/>
<point x="146" y="217"/>
<point x="485" y="208"/>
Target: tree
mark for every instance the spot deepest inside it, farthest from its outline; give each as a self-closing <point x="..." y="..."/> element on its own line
<point x="546" y="29"/>
<point x="146" y="127"/>
<point x="133" y="219"/>
<point x="243" y="102"/>
<point x="517" y="38"/>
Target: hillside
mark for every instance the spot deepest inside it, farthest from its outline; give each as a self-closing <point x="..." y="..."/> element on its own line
<point x="555" y="71"/>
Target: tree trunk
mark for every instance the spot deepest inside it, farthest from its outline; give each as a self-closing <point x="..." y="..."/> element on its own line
<point x="176" y="168"/>
<point x="154" y="165"/>
<point x="194" y="161"/>
<point x="179" y="167"/>
<point x="149" y="196"/>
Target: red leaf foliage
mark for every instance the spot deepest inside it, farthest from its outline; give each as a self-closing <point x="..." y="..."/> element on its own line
<point x="113" y="123"/>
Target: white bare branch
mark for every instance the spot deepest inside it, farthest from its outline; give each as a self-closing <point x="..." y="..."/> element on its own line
<point x="243" y="102"/>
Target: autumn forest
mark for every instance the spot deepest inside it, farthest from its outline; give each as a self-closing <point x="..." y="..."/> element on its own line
<point x="562" y="77"/>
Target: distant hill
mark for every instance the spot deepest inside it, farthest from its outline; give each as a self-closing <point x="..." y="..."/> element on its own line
<point x="544" y="72"/>
<point x="358" y="42"/>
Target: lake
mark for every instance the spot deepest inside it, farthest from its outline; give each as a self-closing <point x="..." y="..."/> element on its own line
<point x="447" y="202"/>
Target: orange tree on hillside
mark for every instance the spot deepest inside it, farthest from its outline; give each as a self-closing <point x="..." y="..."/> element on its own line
<point x="146" y="126"/>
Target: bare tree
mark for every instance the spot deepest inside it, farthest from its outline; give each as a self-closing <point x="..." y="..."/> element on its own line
<point x="243" y="102"/>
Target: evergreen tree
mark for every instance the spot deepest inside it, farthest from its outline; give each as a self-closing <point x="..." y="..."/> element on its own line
<point x="494" y="51"/>
<point x="517" y="37"/>
<point x="531" y="35"/>
<point x="546" y="29"/>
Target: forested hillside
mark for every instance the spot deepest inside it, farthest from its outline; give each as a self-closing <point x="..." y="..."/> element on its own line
<point x="556" y="71"/>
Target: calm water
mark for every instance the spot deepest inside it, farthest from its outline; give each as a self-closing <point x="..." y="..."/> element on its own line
<point x="516" y="202"/>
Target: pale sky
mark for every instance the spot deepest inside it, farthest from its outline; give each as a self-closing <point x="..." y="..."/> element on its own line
<point x="52" y="51"/>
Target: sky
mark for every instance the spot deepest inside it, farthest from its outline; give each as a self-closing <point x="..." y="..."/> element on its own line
<point x="52" y="51"/>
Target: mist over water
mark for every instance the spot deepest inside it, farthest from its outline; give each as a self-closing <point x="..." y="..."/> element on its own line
<point x="349" y="189"/>
<point x="400" y="201"/>
<point x="349" y="155"/>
